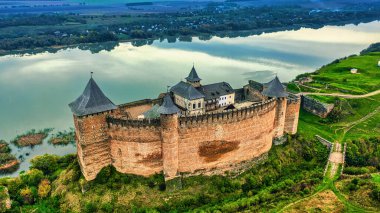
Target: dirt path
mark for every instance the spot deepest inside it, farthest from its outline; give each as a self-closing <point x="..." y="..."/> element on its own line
<point x="349" y="126"/>
<point x="342" y="95"/>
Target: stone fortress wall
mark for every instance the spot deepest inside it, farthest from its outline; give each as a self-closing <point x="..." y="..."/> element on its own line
<point x="211" y="143"/>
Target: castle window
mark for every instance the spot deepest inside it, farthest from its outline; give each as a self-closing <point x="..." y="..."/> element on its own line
<point x="194" y="106"/>
<point x="199" y="105"/>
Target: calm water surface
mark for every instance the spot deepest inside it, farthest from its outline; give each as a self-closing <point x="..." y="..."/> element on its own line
<point x="35" y="89"/>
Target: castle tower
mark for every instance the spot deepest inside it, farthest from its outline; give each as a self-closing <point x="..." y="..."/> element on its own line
<point x="90" y="111"/>
<point x="193" y="78"/>
<point x="170" y="137"/>
<point x="275" y="89"/>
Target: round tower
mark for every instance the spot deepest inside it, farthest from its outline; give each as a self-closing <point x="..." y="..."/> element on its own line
<point x="170" y="137"/>
<point x="279" y="122"/>
<point x="275" y="89"/>
<point x="90" y="111"/>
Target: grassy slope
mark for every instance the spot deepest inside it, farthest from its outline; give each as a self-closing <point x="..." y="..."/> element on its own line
<point x="360" y="118"/>
<point x="339" y="77"/>
<point x="360" y="121"/>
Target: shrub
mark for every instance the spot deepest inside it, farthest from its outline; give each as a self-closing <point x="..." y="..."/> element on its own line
<point x="46" y="163"/>
<point x="90" y="208"/>
<point x="44" y="188"/>
<point x="376" y="192"/>
<point x="32" y="177"/>
<point x="27" y="195"/>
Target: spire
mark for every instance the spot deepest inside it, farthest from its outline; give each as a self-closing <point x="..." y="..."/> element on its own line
<point x="91" y="101"/>
<point x="168" y="107"/>
<point x="193" y="76"/>
<point x="275" y="89"/>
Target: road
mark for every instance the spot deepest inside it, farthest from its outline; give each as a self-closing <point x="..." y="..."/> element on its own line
<point x="342" y="95"/>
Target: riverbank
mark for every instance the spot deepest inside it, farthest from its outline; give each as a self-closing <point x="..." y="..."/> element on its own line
<point x="19" y="33"/>
<point x="292" y="172"/>
<point x="8" y="162"/>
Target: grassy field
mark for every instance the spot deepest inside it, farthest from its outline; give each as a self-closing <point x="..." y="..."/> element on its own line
<point x="337" y="76"/>
<point x="360" y="120"/>
<point x="359" y="117"/>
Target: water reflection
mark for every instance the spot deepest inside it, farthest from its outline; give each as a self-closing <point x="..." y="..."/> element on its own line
<point x="35" y="89"/>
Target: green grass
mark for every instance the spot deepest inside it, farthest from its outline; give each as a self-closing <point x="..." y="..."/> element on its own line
<point x="376" y="178"/>
<point x="324" y="99"/>
<point x="339" y="78"/>
<point x="350" y="126"/>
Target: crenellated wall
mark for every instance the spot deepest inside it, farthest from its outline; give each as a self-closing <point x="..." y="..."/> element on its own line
<point x="213" y="144"/>
<point x="136" y="149"/>
<point x="210" y="143"/>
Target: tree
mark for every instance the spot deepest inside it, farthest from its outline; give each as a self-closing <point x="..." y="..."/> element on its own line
<point x="32" y="177"/>
<point x="46" y="163"/>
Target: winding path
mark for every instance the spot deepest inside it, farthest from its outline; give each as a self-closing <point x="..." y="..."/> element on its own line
<point x="342" y="95"/>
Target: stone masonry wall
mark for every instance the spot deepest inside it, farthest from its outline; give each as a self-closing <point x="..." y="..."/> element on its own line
<point x="279" y="120"/>
<point x="292" y="115"/>
<point x="92" y="143"/>
<point x="217" y="146"/>
<point x="211" y="143"/>
<point x="316" y="107"/>
<point x="136" y="150"/>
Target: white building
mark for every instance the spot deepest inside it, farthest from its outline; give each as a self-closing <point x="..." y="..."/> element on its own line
<point x="195" y="98"/>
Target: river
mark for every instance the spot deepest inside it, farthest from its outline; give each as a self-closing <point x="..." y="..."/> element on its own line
<point x="35" y="89"/>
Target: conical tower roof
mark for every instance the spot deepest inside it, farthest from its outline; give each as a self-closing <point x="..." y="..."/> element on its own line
<point x="168" y="107"/>
<point x="193" y="76"/>
<point x="91" y="101"/>
<point x="275" y="89"/>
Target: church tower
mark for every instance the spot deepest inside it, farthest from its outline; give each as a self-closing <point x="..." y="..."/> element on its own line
<point x="193" y="78"/>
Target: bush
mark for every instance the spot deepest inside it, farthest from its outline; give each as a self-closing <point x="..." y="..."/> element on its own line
<point x="90" y="208"/>
<point x="27" y="195"/>
<point x="46" y="163"/>
<point x="376" y="192"/>
<point x="363" y="153"/>
<point x="44" y="188"/>
<point x="32" y="177"/>
<point x="107" y="207"/>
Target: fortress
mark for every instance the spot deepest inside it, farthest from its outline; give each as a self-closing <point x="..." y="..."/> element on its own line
<point x="192" y="129"/>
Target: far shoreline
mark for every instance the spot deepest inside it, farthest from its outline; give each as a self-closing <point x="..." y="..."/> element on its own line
<point x="177" y="38"/>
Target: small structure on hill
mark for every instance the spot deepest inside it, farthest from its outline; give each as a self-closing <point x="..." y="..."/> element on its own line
<point x="378" y="64"/>
<point x="304" y="80"/>
<point x="354" y="71"/>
